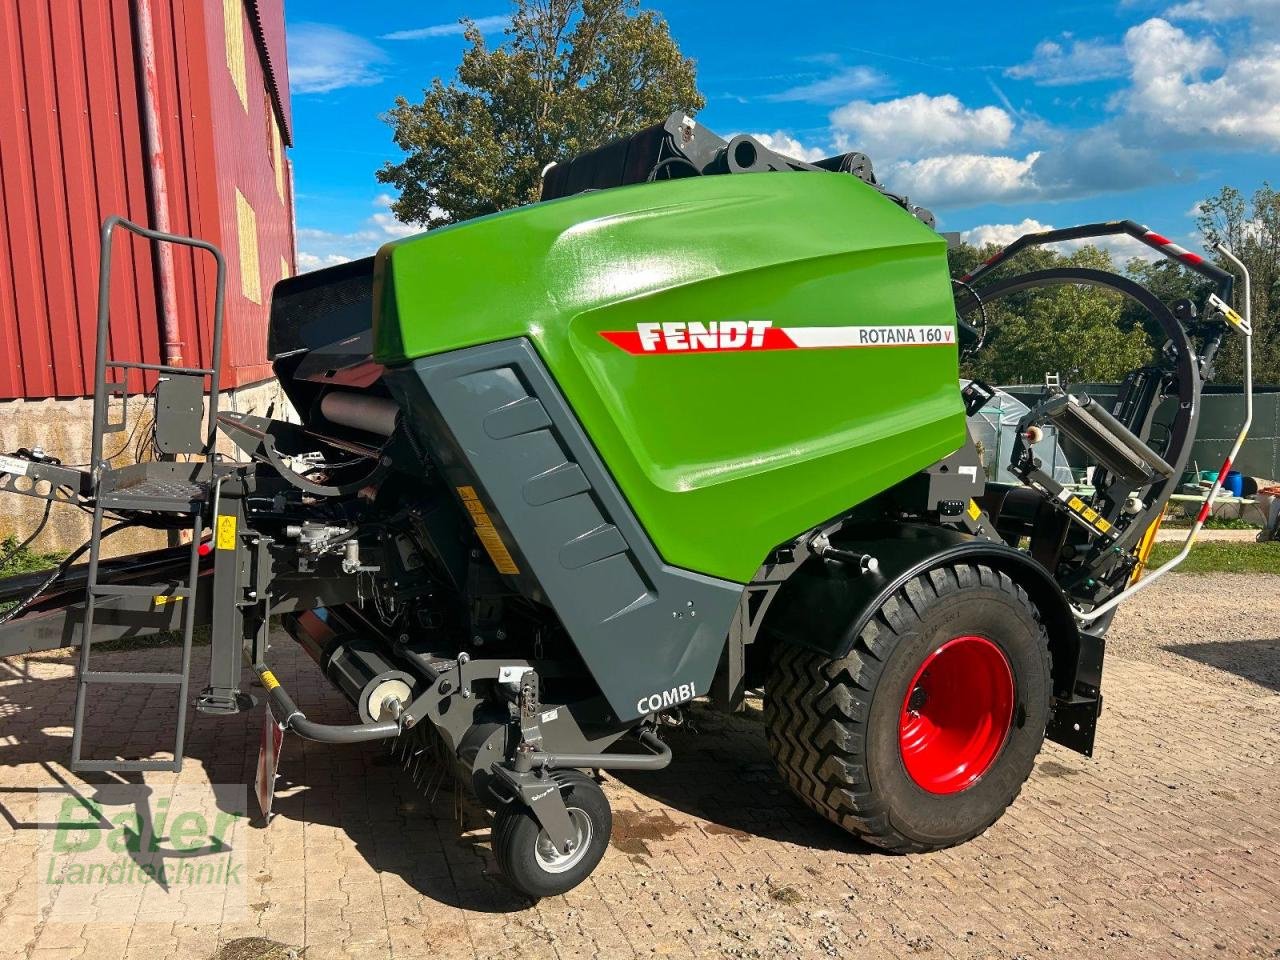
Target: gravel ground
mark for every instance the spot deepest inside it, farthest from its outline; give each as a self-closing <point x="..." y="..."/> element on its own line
<point x="1167" y="534"/>
<point x="1222" y="629"/>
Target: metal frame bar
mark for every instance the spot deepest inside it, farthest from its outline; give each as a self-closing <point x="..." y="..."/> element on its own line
<point x="1132" y="228"/>
<point x="1245" y="328"/>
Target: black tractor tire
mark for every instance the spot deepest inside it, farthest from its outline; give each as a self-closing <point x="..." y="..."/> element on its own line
<point x="522" y="850"/>
<point x="833" y="725"/>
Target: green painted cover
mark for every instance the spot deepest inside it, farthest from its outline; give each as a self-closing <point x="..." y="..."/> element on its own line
<point x="751" y="354"/>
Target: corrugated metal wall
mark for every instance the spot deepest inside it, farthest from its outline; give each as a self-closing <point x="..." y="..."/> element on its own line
<point x="71" y="153"/>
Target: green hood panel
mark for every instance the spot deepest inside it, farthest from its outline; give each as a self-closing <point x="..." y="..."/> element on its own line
<point x="833" y="376"/>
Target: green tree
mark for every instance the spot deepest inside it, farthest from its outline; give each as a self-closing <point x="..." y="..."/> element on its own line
<point x="569" y="76"/>
<point x="1251" y="228"/>
<point x="1079" y="332"/>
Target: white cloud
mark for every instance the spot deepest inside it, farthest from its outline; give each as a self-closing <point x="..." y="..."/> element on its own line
<point x="1001" y="234"/>
<point x="1261" y="12"/>
<point x="1171" y="99"/>
<point x="324" y="58"/>
<point x="385" y="221"/>
<point x="1122" y="248"/>
<point x="963" y="179"/>
<point x="920" y="124"/>
<point x="1070" y="164"/>
<point x="311" y="261"/>
<point x="483" y="24"/>
<point x="847" y="82"/>
<point x="326" y="248"/>
<point x="1071" y="61"/>
<point x="782" y="142"/>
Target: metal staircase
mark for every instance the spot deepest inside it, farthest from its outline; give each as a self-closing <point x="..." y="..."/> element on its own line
<point x="167" y="493"/>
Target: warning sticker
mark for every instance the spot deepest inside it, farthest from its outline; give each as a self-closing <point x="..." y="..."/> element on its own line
<point x="225" y="537"/>
<point x="490" y="539"/>
<point x="14" y="466"/>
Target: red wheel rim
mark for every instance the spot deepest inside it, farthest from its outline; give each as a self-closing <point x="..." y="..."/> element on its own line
<point x="956" y="715"/>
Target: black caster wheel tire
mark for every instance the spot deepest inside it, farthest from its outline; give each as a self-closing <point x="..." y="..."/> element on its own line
<point x="525" y="854"/>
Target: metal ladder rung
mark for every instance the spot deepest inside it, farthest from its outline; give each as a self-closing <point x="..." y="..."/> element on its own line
<point x="129" y="676"/>
<point x="135" y="590"/>
<point x="157" y="504"/>
<point x="127" y="766"/>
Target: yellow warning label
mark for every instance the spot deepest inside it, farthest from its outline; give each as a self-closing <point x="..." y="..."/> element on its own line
<point x="974" y="510"/>
<point x="1103" y="525"/>
<point x="490" y="539"/>
<point x="1076" y="504"/>
<point x="1089" y="514"/>
<point x="269" y="680"/>
<point x="160" y="599"/>
<point x="225" y="537"/>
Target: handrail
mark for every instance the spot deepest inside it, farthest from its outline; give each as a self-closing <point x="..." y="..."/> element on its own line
<point x="104" y="323"/>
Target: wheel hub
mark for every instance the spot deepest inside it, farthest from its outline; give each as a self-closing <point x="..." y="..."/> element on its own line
<point x="558" y="861"/>
<point x="956" y="715"/>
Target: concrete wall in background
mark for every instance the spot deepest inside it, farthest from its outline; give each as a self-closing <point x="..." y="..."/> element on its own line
<point x="62" y="428"/>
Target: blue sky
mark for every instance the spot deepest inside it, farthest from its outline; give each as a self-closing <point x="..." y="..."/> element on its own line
<point x="999" y="116"/>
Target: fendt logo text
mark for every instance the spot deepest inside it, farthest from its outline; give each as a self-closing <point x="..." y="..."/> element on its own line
<point x="726" y="336"/>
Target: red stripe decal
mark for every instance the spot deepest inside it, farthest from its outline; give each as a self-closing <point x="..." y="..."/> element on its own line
<point x="1226" y="468"/>
<point x="1156" y="238"/>
<point x="1204" y="513"/>
<point x="775" y="338"/>
<point x="1193" y="258"/>
<point x="628" y="340"/>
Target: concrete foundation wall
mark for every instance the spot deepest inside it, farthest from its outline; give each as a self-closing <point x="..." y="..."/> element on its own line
<point x="63" y="428"/>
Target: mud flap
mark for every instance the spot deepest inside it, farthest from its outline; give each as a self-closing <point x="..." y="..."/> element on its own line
<point x="1075" y="718"/>
<point x="264" y="783"/>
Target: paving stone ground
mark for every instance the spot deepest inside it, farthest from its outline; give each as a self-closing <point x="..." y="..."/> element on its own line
<point x="1166" y="844"/>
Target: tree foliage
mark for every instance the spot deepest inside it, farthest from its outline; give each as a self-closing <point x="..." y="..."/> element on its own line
<point x="1090" y="335"/>
<point x="1079" y="332"/>
<point x="1251" y="228"/>
<point x="569" y="76"/>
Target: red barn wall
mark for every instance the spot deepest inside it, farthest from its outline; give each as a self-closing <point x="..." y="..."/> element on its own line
<point x="72" y="153"/>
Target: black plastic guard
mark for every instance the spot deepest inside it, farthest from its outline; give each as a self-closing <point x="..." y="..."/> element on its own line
<point x="558" y="527"/>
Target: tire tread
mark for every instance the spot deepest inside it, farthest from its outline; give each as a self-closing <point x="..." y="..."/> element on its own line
<point x="816" y="709"/>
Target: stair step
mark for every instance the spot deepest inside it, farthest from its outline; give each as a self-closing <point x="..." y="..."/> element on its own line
<point x="139" y="590"/>
<point x="128" y="676"/>
<point x="125" y="766"/>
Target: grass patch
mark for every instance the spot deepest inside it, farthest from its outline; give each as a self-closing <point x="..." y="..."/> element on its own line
<point x="1221" y="557"/>
<point x="200" y="637"/>
<point x="1212" y="523"/>
<point x="24" y="560"/>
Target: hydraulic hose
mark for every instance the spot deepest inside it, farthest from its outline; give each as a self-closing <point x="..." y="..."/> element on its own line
<point x="294" y="719"/>
<point x="59" y="571"/>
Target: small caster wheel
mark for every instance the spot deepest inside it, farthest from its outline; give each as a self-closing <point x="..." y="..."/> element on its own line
<point x="528" y="858"/>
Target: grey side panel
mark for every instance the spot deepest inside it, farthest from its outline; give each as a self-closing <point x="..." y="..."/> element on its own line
<point x="493" y="418"/>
